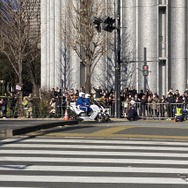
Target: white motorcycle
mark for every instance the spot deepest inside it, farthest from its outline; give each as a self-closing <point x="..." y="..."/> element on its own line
<point x="97" y="113"/>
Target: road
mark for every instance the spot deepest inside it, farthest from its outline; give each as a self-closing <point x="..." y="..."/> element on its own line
<point x="92" y="163"/>
<point x="150" y="130"/>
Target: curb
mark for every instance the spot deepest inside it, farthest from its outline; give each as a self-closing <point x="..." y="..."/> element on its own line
<point x="32" y="128"/>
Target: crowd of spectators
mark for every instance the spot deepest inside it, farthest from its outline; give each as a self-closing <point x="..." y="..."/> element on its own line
<point x="146" y="103"/>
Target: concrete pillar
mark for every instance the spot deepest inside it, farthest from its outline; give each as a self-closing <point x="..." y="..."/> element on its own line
<point x="51" y="71"/>
<point x="129" y="39"/>
<point x="148" y="37"/>
<point x="58" y="35"/>
<point x="178" y="44"/>
<point x="43" y="44"/>
<point x="47" y="46"/>
<point x="52" y="44"/>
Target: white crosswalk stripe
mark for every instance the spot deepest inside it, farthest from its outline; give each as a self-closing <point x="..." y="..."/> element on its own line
<point x="27" y="163"/>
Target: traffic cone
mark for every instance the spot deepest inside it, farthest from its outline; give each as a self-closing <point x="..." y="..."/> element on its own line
<point x="66" y="116"/>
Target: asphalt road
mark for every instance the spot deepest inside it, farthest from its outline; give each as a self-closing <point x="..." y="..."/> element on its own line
<point x="116" y="128"/>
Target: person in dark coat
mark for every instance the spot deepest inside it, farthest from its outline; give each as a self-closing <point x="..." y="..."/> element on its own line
<point x="132" y="114"/>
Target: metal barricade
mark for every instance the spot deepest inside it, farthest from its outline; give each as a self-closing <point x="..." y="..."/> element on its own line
<point x="159" y="110"/>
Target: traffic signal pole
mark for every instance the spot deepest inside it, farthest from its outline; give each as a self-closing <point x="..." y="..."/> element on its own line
<point x="145" y="63"/>
<point x="108" y="25"/>
<point x="118" y="65"/>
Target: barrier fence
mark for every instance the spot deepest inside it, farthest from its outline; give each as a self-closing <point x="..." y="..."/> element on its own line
<point x="42" y="109"/>
<point x="159" y="110"/>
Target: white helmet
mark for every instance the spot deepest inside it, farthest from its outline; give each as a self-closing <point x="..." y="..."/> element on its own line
<point x="87" y="95"/>
<point x="81" y="94"/>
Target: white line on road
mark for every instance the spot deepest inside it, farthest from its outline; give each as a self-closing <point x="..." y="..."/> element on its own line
<point x="126" y="142"/>
<point x="89" y="179"/>
<point x="93" y="153"/>
<point x="104" y="147"/>
<point x="92" y="169"/>
<point x="92" y="160"/>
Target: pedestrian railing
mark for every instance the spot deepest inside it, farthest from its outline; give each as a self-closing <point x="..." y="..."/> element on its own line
<point x="159" y="110"/>
<point x="151" y="110"/>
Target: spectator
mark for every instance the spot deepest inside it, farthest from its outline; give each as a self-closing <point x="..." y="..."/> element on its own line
<point x="2" y="108"/>
<point x="186" y="90"/>
<point x="77" y="93"/>
<point x="162" y="106"/>
<point x="177" y="94"/>
<point x="11" y="104"/>
<point x="98" y="92"/>
<point x="30" y="106"/>
<point x="82" y="89"/>
<point x="170" y="100"/>
<point x="126" y="103"/>
<point x="143" y="103"/>
<point x="72" y="96"/>
<point x="57" y="92"/>
<point x="155" y="105"/>
<point x="132" y="114"/>
<point x="52" y="93"/>
<point x="52" y="110"/>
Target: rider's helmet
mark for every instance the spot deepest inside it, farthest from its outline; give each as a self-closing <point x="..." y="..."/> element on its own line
<point x="81" y="94"/>
<point x="87" y="95"/>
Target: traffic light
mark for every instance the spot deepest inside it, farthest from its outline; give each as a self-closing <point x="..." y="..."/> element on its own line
<point x="97" y="22"/>
<point x="108" y="24"/>
<point x="145" y="70"/>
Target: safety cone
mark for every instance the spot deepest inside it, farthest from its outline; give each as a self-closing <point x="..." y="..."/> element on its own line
<point x="66" y="116"/>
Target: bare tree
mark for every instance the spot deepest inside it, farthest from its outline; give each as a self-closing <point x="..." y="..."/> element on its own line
<point x="20" y="34"/>
<point x="89" y="45"/>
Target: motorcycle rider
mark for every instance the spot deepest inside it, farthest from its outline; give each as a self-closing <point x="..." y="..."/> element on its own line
<point x="82" y="103"/>
<point x="87" y="99"/>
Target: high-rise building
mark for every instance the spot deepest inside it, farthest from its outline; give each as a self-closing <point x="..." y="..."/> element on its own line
<point x="159" y="26"/>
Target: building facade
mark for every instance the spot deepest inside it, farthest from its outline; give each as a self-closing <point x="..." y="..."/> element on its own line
<point x="159" y="26"/>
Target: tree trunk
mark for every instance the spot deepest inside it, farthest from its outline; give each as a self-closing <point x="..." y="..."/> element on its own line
<point x="35" y="89"/>
<point x="88" y="79"/>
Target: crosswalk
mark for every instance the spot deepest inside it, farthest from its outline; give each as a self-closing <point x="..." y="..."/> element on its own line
<point x="53" y="162"/>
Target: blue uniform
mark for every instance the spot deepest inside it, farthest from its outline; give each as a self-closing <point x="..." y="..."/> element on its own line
<point x="82" y="103"/>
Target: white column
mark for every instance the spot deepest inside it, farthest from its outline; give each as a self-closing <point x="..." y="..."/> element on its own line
<point x="178" y="44"/>
<point x="58" y="69"/>
<point x="43" y="44"/>
<point x="52" y="44"/>
<point x="48" y="45"/>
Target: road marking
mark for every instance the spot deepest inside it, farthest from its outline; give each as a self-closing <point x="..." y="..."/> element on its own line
<point x="93" y="160"/>
<point x="88" y="141"/>
<point x="89" y="179"/>
<point x="94" y="153"/>
<point x="92" y="169"/>
<point x="110" y="131"/>
<point x="30" y="161"/>
<point x="104" y="147"/>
